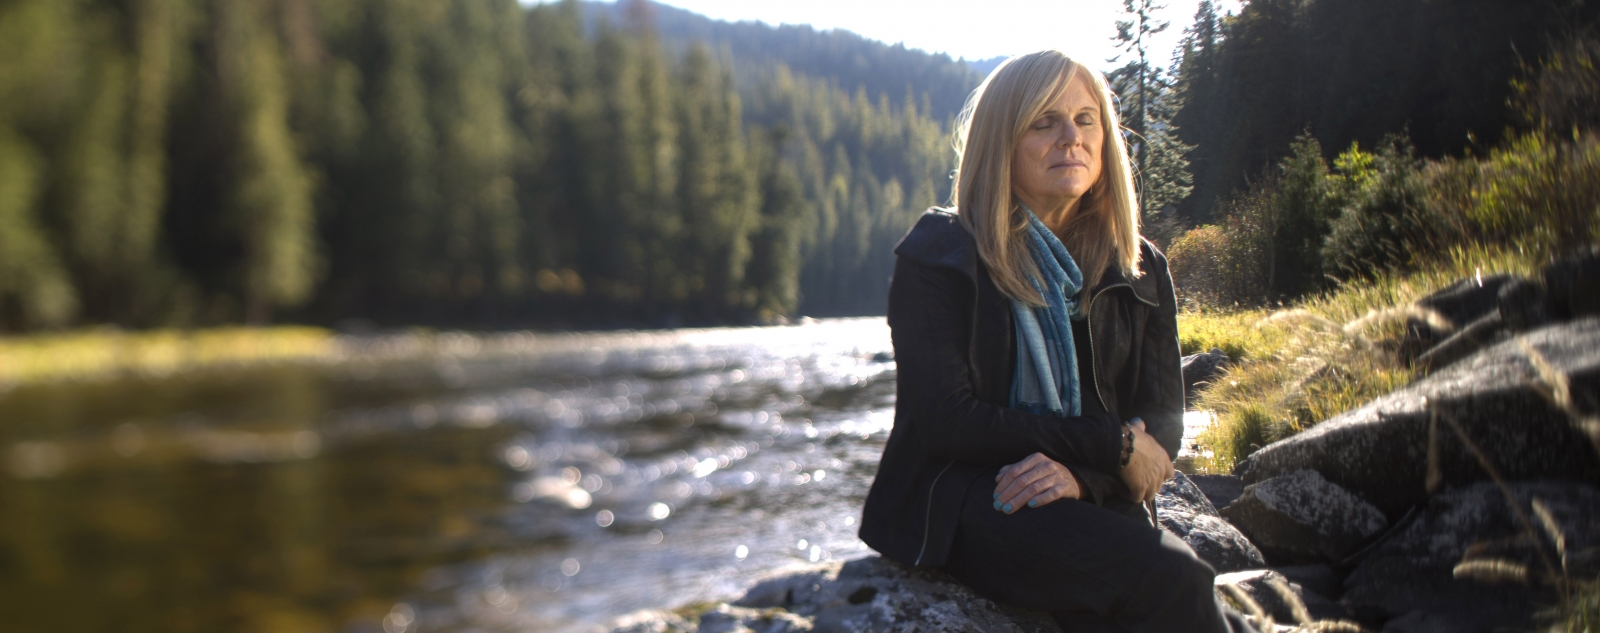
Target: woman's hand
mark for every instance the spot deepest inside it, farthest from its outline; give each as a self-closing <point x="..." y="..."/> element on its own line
<point x="1149" y="467"/>
<point x="1034" y="481"/>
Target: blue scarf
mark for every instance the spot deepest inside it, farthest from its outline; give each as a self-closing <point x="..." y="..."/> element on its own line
<point x="1046" y="377"/>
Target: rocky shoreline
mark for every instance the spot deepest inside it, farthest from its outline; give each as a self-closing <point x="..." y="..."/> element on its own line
<point x="1463" y="503"/>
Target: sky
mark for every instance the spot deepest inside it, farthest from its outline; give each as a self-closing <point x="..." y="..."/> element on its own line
<point x="966" y="28"/>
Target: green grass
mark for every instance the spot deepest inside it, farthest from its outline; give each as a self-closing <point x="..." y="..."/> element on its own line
<point x="1583" y="614"/>
<point x="1304" y="364"/>
<point x="106" y="353"/>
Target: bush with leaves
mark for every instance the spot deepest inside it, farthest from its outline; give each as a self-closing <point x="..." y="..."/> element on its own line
<point x="1386" y="221"/>
<point x="1558" y="96"/>
<point x="1537" y="192"/>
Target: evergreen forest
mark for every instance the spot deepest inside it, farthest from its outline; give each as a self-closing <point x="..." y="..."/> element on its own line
<point x="463" y="163"/>
<point x="1329" y="141"/>
<point x="487" y="164"/>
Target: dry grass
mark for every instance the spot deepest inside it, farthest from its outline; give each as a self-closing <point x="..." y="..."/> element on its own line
<point x="104" y="353"/>
<point x="1299" y="366"/>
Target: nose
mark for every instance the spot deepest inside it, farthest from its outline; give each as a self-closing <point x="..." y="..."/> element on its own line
<point x="1070" y="135"/>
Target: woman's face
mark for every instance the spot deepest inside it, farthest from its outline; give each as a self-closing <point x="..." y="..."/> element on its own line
<point x="1058" y="157"/>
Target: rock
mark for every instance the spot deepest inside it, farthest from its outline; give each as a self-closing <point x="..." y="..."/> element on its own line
<point x="651" y="621"/>
<point x="1220" y="489"/>
<point x="1257" y="585"/>
<point x="1319" y="579"/>
<point x="1201" y="369"/>
<point x="1183" y="509"/>
<point x="1519" y="305"/>
<point x="1409" y="576"/>
<point x="730" y="619"/>
<point x="1380" y="450"/>
<point x="1479" y="309"/>
<point x="866" y="594"/>
<point x="1301" y="517"/>
<point x="1425" y="622"/>
<point x="1572" y="285"/>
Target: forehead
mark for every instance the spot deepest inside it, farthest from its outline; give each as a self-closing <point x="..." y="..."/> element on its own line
<point x="1077" y="95"/>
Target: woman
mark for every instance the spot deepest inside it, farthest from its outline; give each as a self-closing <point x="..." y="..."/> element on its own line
<point x="1040" y="400"/>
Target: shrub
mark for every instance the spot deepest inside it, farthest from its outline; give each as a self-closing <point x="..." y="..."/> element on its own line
<point x="1386" y="221"/>
<point x="1268" y="245"/>
<point x="1229" y="264"/>
<point x="1558" y="97"/>
<point x="1538" y="193"/>
<point x="1194" y="259"/>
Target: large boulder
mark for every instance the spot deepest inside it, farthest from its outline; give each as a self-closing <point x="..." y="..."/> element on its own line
<point x="1409" y="577"/>
<point x="866" y="594"/>
<point x="1301" y="517"/>
<point x="1183" y="509"/>
<point x="1220" y="489"/>
<point x="1280" y="597"/>
<point x="1200" y="369"/>
<point x="1380" y="450"/>
<point x="1459" y="319"/>
<point x="1572" y="285"/>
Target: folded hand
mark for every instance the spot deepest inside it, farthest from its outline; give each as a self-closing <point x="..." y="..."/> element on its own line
<point x="1034" y="481"/>
<point x="1149" y="467"/>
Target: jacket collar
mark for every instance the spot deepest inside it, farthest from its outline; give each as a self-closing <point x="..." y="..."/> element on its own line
<point x="939" y="239"/>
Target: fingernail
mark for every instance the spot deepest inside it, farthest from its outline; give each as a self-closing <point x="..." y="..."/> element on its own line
<point x="1007" y="508"/>
<point x="1033" y="503"/>
<point x="997" y="505"/>
<point x="997" y="495"/>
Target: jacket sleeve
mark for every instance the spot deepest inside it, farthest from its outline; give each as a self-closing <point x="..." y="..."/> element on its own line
<point x="930" y="312"/>
<point x="1158" y="399"/>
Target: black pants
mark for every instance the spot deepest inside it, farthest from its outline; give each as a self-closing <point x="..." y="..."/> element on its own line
<point x="1091" y="568"/>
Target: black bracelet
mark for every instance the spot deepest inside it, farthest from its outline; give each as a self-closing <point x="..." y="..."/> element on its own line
<point x="1127" y="444"/>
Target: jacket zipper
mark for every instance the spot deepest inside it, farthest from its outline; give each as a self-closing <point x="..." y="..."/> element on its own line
<point x="1092" y="356"/>
<point x="1151" y="506"/>
<point x="927" y="519"/>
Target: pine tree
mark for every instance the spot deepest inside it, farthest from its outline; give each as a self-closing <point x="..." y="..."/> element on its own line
<point x="1148" y="103"/>
<point x="1138" y="82"/>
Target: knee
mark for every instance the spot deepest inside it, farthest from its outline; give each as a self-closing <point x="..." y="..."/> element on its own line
<point x="1183" y="569"/>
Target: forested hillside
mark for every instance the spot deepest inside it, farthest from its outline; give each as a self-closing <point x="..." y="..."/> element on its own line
<point x="1353" y="71"/>
<point x="849" y="60"/>
<point x="1332" y="141"/>
<point x="457" y="163"/>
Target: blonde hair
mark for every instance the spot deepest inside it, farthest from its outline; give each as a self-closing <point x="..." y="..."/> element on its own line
<point x="1105" y="229"/>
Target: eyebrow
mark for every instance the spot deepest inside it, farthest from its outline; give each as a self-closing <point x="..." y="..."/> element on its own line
<point x="1053" y="111"/>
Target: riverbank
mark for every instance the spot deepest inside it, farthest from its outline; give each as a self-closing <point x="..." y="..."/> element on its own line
<point x="107" y="353"/>
<point x="1303" y="363"/>
<point x="1460" y="498"/>
<point x="103" y="353"/>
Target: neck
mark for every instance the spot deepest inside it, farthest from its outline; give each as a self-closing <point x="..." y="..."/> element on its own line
<point x="1054" y="213"/>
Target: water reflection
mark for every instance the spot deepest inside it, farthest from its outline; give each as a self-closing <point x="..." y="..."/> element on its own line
<point x="510" y="482"/>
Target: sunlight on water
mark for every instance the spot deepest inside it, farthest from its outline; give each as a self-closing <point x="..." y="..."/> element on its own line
<point x="504" y="482"/>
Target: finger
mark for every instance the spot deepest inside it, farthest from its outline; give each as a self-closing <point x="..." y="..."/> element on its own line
<point x="1009" y="473"/>
<point x="1004" y="481"/>
<point x="1137" y="424"/>
<point x="1047" y="495"/>
<point x="1028" y="484"/>
<point x="1008" y="495"/>
<point x="1055" y="487"/>
<point x="1058" y="483"/>
<point x="1064" y="486"/>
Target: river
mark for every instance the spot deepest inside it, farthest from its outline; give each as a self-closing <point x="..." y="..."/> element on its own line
<point x="506" y="482"/>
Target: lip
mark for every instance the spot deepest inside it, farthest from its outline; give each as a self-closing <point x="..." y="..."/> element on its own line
<point x="1068" y="164"/>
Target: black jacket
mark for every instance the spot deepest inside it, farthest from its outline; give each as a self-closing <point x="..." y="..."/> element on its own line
<point x="955" y="352"/>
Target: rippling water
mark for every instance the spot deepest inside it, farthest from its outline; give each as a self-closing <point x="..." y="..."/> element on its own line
<point x="513" y="482"/>
<point x="500" y="483"/>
